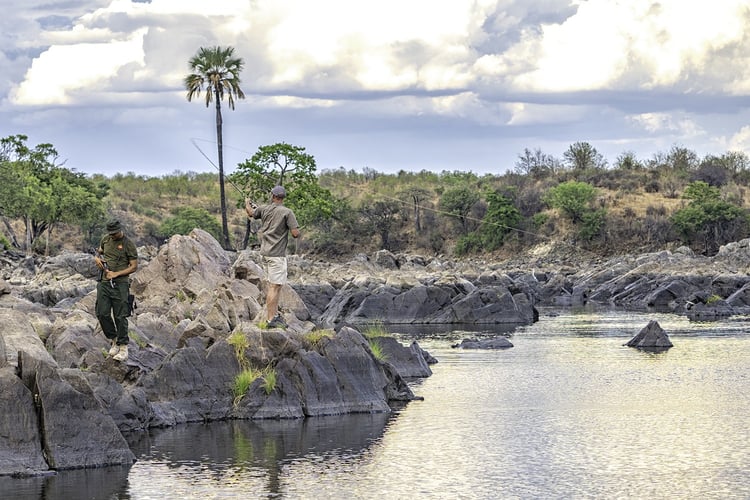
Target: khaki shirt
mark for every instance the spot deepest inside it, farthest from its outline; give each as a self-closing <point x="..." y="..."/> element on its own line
<point x="276" y="221"/>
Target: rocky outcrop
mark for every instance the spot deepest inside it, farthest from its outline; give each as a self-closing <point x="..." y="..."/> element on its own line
<point x="65" y="404"/>
<point x="409" y="289"/>
<point x="196" y="331"/>
<point x="651" y="337"/>
<point x="678" y="282"/>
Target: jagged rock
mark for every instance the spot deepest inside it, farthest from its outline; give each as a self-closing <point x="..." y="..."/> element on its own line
<point x="76" y="430"/>
<point x="20" y="440"/>
<point x="494" y="343"/>
<point x="652" y="336"/>
<point x="18" y="334"/>
<point x="714" y="310"/>
<point x="408" y="361"/>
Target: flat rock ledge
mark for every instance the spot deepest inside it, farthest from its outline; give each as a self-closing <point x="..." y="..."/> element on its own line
<point x="493" y="343"/>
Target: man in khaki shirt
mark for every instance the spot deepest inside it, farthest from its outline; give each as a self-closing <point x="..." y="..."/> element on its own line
<point x="277" y="222"/>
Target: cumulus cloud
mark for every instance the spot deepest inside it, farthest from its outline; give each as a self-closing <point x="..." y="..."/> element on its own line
<point x="645" y="70"/>
<point x="678" y="124"/>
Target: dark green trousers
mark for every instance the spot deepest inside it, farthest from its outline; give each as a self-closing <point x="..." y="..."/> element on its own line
<point x="112" y="310"/>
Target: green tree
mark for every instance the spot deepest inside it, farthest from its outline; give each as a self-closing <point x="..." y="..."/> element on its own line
<point x="582" y="155"/>
<point x="216" y="70"/>
<point x="458" y="202"/>
<point x="417" y="195"/>
<point x="501" y="218"/>
<point x="186" y="219"/>
<point x="289" y="166"/>
<point x="536" y="164"/>
<point x="628" y="161"/>
<point x="35" y="189"/>
<point x="573" y="198"/>
<point x="708" y="220"/>
<point x="383" y="217"/>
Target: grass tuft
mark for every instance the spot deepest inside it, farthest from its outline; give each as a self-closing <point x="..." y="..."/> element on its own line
<point x="269" y="379"/>
<point x="377" y="349"/>
<point x="240" y="342"/>
<point x="242" y="383"/>
<point x="375" y="330"/>
<point x="314" y="337"/>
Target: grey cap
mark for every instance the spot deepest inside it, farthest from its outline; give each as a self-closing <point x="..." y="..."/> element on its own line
<point x="279" y="191"/>
<point x="114" y="226"/>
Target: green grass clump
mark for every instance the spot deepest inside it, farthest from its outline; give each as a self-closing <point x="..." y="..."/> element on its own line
<point x="243" y="381"/>
<point x="248" y="376"/>
<point x="269" y="379"/>
<point x="240" y="342"/>
<point x="713" y="299"/>
<point x="140" y="341"/>
<point x="372" y="333"/>
<point x="375" y="330"/>
<point x="377" y="349"/>
<point x="314" y="337"/>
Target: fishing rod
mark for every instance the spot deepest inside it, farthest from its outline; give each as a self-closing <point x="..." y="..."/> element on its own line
<point x="192" y="140"/>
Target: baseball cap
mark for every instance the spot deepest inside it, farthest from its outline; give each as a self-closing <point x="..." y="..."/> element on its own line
<point x="279" y="191"/>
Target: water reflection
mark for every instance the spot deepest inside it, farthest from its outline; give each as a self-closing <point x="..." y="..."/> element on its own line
<point x="245" y="456"/>
<point x="568" y="412"/>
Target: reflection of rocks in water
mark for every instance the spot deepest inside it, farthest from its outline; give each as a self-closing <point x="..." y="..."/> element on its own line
<point x="247" y="442"/>
<point x="259" y="444"/>
<point x="108" y="482"/>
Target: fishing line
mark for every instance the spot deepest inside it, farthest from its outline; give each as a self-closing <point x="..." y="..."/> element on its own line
<point x="192" y="140"/>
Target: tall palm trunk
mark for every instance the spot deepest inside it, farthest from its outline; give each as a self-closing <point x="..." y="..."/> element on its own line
<point x="220" y="146"/>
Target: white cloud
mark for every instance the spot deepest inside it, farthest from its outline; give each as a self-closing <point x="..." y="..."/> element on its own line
<point x="741" y="140"/>
<point x="634" y="44"/>
<point x="681" y="125"/>
<point x="510" y="70"/>
<point x="65" y="69"/>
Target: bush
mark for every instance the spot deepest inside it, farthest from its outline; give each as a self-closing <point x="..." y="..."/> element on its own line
<point x="186" y="219"/>
<point x="572" y="198"/>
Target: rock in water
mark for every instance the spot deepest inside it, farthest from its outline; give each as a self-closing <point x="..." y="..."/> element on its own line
<point x="652" y="336"/>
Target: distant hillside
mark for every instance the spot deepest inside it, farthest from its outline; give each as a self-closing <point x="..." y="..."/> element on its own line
<point x="625" y="209"/>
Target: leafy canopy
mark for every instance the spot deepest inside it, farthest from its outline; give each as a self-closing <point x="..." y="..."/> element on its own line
<point x="573" y="198"/>
<point x="290" y="166"/>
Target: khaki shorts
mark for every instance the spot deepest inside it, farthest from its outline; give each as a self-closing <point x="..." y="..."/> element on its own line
<point x="276" y="269"/>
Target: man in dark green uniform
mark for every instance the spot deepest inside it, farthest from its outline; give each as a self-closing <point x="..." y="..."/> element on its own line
<point x="117" y="258"/>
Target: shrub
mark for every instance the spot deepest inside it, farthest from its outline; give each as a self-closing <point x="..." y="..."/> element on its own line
<point x="572" y="198"/>
<point x="185" y="219"/>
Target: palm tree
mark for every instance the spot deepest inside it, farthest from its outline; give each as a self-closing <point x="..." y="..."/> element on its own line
<point x="218" y="71"/>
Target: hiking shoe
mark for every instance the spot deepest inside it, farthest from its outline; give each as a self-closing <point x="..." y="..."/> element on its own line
<point x="123" y="354"/>
<point x="276" y="322"/>
<point x="114" y="349"/>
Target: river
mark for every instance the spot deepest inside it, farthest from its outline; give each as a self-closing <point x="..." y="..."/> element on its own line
<point x="568" y="412"/>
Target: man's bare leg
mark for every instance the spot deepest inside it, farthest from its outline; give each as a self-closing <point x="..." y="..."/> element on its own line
<point x="272" y="301"/>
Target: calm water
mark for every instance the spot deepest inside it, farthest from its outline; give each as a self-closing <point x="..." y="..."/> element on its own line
<point x="566" y="413"/>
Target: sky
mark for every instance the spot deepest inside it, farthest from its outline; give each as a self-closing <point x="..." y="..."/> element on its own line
<point x="387" y="85"/>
